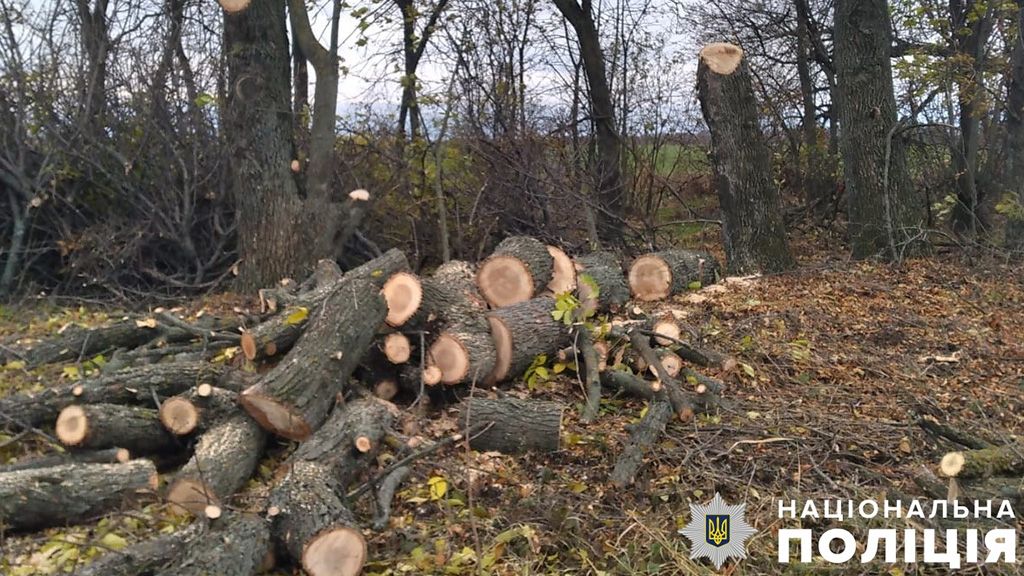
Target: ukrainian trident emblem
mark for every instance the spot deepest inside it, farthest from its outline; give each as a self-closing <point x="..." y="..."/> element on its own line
<point x="717" y="531"/>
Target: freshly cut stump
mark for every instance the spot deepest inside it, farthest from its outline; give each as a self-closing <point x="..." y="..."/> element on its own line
<point x="520" y="268"/>
<point x="224" y="459"/>
<point x="563" y="272"/>
<point x="293" y="399"/>
<point x="236" y="545"/>
<point x="403" y="293"/>
<point x="523" y="331"/>
<point x="601" y="284"/>
<point x="662" y="274"/>
<point x="42" y="497"/>
<point x="100" y="426"/>
<point x="513" y="426"/>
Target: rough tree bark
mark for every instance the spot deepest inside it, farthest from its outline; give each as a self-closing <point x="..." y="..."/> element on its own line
<point x="882" y="221"/>
<point x="1014" y="181"/>
<point x="513" y="426"/>
<point x="752" y="227"/>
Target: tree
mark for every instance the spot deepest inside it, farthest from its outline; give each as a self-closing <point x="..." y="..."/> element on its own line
<point x="1014" y="180"/>
<point x="610" y="189"/>
<point x="882" y="217"/>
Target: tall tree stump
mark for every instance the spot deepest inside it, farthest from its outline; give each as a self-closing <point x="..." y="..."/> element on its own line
<point x="293" y="399"/>
<point x="519" y="269"/>
<point x="752" y="226"/>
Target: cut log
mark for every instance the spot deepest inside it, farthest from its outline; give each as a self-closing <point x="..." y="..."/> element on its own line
<point x="224" y="458"/>
<point x="591" y="373"/>
<point x="76" y="342"/>
<point x="626" y="383"/>
<point x="682" y="402"/>
<point x="464" y="352"/>
<point x="513" y="426"/>
<point x="448" y="295"/>
<point x="666" y="331"/>
<point x="279" y="333"/>
<point x="293" y="399"/>
<point x="412" y="375"/>
<point x="662" y="274"/>
<point x="523" y="331"/>
<point x="144" y="557"/>
<point x="43" y="497"/>
<point x="107" y="456"/>
<point x="563" y="272"/>
<point x="129" y="386"/>
<point x="397" y="348"/>
<point x="403" y="294"/>
<point x="99" y="426"/>
<point x="200" y="408"/>
<point x="386" y="389"/>
<point x="644" y="434"/>
<point x="520" y="268"/>
<point x="309" y="518"/>
<point x="234" y="7"/>
<point x="386" y="494"/>
<point x="235" y="545"/>
<point x="670" y="360"/>
<point x="753" y="230"/>
<point x="995" y="461"/>
<point x="601" y="282"/>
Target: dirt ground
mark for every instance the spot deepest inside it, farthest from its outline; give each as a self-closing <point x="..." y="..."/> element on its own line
<point x="837" y="362"/>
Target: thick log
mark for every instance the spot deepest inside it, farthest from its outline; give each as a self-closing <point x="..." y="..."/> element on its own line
<point x="107" y="456"/>
<point x="449" y="294"/>
<point x="994" y="461"/>
<point x="235" y="545"/>
<point x="143" y="557"/>
<point x="43" y="497"/>
<point x="309" y="518"/>
<point x="563" y="272"/>
<point x="601" y="282"/>
<point x="513" y="426"/>
<point x="464" y="351"/>
<point x="129" y="386"/>
<point x="752" y="226"/>
<point x="293" y="399"/>
<point x="519" y="269"/>
<point x="224" y="458"/>
<point x="97" y="426"/>
<point x="76" y="342"/>
<point x="523" y="331"/>
<point x="659" y="275"/>
<point x="279" y="333"/>
<point x="666" y="331"/>
<point x="198" y="409"/>
<point x="403" y="293"/>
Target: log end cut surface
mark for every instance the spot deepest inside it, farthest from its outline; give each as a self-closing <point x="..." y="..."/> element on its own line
<point x="650" y="278"/>
<point x="403" y="293"/>
<point x="339" y="551"/>
<point x="721" y="57"/>
<point x="504" y="280"/>
<point x="274" y="416"/>
<point x="952" y="463"/>
<point x="72" y="426"/>
<point x="397" y="348"/>
<point x="179" y="415"/>
<point x="502" y="348"/>
<point x="191" y="495"/>
<point x="234" y="6"/>
<point x="563" y="274"/>
<point x="451" y="358"/>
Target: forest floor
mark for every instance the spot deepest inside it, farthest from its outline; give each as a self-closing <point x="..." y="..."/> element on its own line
<point x="837" y="361"/>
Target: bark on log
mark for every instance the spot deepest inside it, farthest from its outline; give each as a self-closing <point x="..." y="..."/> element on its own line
<point x="752" y="226"/>
<point x="644" y="434"/>
<point x="682" y="402"/>
<point x="591" y="373"/>
<point x="449" y="294"/>
<point x="659" y="275"/>
<point x="631" y="384"/>
<point x="563" y="272"/>
<point x="464" y="351"/>
<point x="519" y="269"/>
<point x="513" y="426"/>
<point x="601" y="272"/>
<point x="224" y="458"/>
<point x="521" y="332"/>
<point x="108" y="456"/>
<point x="306" y="508"/>
<point x="293" y="399"/>
<point x="76" y="342"/>
<point x="143" y="557"/>
<point x="198" y="409"/>
<point x="98" y="426"/>
<point x="129" y="386"/>
<point x="43" y="497"/>
<point x="235" y="545"/>
<point x="994" y="461"/>
<point x="386" y="494"/>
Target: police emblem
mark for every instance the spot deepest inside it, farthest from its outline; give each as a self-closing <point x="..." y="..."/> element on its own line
<point x="717" y="531"/>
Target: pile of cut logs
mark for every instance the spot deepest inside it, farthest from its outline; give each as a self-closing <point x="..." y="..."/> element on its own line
<point x="326" y="364"/>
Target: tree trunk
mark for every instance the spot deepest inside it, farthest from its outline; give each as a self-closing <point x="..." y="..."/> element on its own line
<point x="662" y="274"/>
<point x="293" y="399"/>
<point x="883" y="217"/>
<point x="752" y="228"/>
<point x="522" y="332"/>
<point x="98" y="426"/>
<point x="236" y="545"/>
<point x="77" y="342"/>
<point x="144" y="557"/>
<point x="44" y="497"/>
<point x="1014" y="181"/>
<point x="611" y="191"/>
<point x="602" y="284"/>
<point x="985" y="462"/>
<point x="519" y="269"/>
<point x="198" y="409"/>
<point x="108" y="456"/>
<point x="513" y="426"/>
